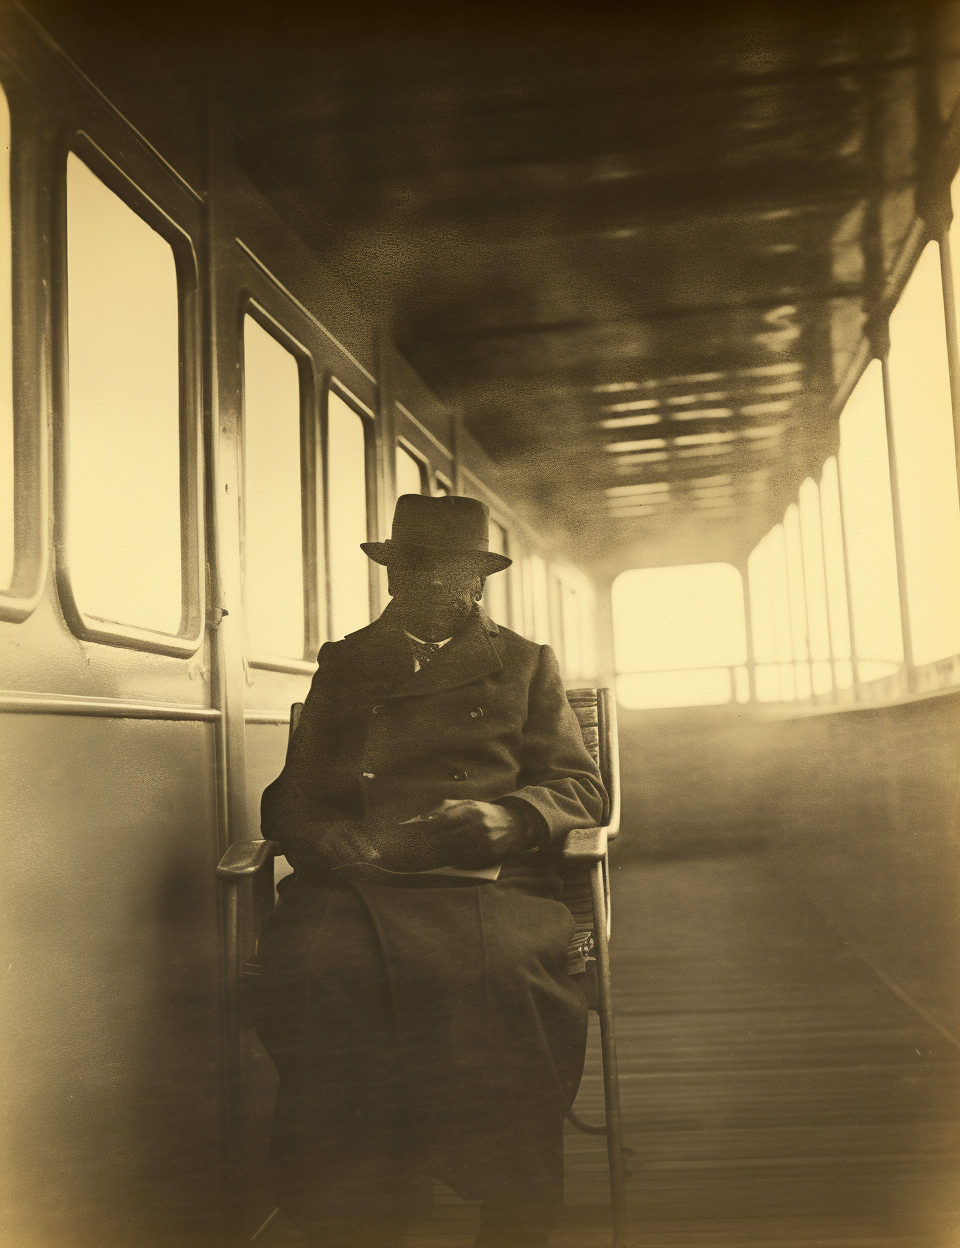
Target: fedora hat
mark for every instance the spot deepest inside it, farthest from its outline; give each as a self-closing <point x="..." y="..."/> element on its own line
<point x="450" y="524"/>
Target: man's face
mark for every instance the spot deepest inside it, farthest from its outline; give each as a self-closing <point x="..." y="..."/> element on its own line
<point x="434" y="593"/>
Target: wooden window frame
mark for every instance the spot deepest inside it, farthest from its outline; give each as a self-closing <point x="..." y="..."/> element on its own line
<point x="332" y="383"/>
<point x="423" y="444"/>
<point x="29" y="283"/>
<point x="84" y="625"/>
<point x="312" y="509"/>
<point x="426" y="482"/>
<point x="507" y="580"/>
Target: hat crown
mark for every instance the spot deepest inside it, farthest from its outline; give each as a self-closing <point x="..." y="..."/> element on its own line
<point x="450" y="521"/>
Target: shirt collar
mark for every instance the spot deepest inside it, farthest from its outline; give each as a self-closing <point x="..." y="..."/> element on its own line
<point x="428" y="643"/>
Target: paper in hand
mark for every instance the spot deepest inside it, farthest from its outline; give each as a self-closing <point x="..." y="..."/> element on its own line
<point x="464" y="873"/>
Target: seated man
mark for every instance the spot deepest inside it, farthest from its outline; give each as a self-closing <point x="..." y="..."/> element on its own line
<point x="414" y="995"/>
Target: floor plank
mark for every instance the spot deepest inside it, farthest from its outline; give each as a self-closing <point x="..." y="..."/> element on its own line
<point x="776" y="1093"/>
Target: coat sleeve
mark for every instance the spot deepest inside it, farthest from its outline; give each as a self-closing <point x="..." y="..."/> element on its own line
<point x="558" y="778"/>
<point x="299" y="809"/>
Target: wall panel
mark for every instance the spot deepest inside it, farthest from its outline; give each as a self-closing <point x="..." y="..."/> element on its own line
<point x="112" y="1002"/>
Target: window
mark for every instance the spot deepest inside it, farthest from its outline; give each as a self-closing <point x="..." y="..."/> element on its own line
<point x="782" y="615"/>
<point x="868" y="527"/>
<point x="834" y="567"/>
<point x="526" y="588"/>
<point x="411" y="473"/>
<point x="347" y="509"/>
<point x="7" y="535"/>
<point x="273" y="523"/>
<point x="496" y="600"/>
<point x="796" y="593"/>
<point x="123" y="470"/>
<point x="815" y="587"/>
<point x="798" y="598"/>
<point x="514" y="577"/>
<point x="541" y="600"/>
<point x="925" y="458"/>
<point x="679" y="635"/>
<point x="763" y="623"/>
<point x="572" y="632"/>
<point x="587" y="603"/>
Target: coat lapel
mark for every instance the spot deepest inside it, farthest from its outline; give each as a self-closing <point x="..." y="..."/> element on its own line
<point x="470" y="655"/>
<point x="378" y="654"/>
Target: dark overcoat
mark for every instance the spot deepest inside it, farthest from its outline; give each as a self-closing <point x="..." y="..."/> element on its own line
<point x="422" y="1023"/>
<point x="379" y="743"/>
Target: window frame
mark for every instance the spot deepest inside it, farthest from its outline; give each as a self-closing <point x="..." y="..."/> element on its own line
<point x="910" y="519"/>
<point x="571" y="614"/>
<point x="331" y="383"/>
<point x="507" y="582"/>
<point x="423" y="465"/>
<point x="312" y="487"/>
<point x="83" y="624"/>
<point x="731" y="669"/>
<point x="420" y="442"/>
<point x="29" y="357"/>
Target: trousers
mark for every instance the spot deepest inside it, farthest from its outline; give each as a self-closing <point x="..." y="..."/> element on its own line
<point x="418" y="1033"/>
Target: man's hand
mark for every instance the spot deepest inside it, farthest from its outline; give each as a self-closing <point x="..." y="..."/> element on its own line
<point x="461" y="834"/>
<point x="480" y="833"/>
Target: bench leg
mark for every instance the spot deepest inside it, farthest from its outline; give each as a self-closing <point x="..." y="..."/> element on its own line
<point x="608" y="1047"/>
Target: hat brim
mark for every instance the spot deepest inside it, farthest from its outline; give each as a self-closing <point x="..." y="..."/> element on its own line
<point x="487" y="560"/>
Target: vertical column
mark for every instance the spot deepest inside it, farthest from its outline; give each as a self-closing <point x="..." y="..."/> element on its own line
<point x="225" y="616"/>
<point x="456" y="431"/>
<point x="953" y="346"/>
<point x="878" y="333"/>
<point x="603" y="623"/>
<point x="846" y="581"/>
<point x="385" y="491"/>
<point x="934" y="201"/>
<point x="222" y="418"/>
<point x="897" y="520"/>
<point x="748" y="628"/>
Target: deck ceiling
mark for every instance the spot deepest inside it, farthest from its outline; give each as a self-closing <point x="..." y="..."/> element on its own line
<point x="638" y="255"/>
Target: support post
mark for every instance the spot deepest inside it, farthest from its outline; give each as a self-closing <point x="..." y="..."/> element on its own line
<point x="953" y="347"/>
<point x="897" y="522"/>
<point x="847" y="583"/>
<point x="608" y="1047"/>
<point x="748" y="629"/>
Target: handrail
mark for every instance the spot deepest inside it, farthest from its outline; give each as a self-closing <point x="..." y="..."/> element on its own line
<point x="245" y="858"/>
<point x="607" y="714"/>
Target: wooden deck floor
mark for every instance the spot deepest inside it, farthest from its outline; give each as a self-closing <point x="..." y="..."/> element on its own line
<point x="776" y="1093"/>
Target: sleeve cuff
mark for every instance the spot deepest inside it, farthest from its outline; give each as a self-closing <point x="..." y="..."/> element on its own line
<point x="536" y="831"/>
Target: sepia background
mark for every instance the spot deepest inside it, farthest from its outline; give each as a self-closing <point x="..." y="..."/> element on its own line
<point x="672" y="290"/>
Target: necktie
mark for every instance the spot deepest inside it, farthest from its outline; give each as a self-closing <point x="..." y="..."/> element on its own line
<point x="423" y="651"/>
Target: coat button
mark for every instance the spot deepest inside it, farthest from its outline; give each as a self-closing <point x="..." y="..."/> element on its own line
<point x="368" y="775"/>
<point x="476" y="713"/>
<point x="459" y="775"/>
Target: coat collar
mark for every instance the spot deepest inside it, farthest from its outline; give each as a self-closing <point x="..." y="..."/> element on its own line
<point x="382" y="653"/>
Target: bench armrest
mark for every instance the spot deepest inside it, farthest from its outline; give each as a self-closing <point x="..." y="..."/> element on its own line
<point x="585" y="845"/>
<point x="245" y="858"/>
